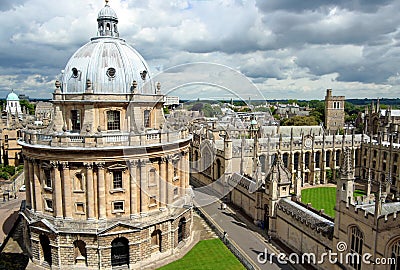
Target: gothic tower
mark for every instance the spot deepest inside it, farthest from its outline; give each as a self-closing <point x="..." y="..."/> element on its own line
<point x="334" y="112"/>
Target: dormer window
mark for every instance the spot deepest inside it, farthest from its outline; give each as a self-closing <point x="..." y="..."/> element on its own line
<point x="113" y="120"/>
<point x="75" y="72"/>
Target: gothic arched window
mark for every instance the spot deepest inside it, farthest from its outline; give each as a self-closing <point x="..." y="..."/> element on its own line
<point x="356" y="247"/>
<point x="395" y="255"/>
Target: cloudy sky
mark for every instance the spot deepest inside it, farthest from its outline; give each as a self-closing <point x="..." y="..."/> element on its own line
<point x="286" y="48"/>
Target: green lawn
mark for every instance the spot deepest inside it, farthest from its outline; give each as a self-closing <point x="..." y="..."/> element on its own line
<point x="359" y="192"/>
<point x="320" y="198"/>
<point x="207" y="254"/>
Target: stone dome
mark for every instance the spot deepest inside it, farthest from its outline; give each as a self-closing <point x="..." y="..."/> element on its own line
<point x="107" y="13"/>
<point x="111" y="65"/>
<point x="12" y="97"/>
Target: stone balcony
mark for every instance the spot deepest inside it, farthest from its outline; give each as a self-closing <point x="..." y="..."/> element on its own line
<point x="38" y="138"/>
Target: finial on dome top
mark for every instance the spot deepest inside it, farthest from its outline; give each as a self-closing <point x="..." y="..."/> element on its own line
<point x="107" y="1"/>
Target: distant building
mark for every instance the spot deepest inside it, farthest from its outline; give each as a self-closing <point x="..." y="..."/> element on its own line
<point x="290" y="110"/>
<point x="334" y="112"/>
<point x="13" y="105"/>
<point x="171" y="101"/>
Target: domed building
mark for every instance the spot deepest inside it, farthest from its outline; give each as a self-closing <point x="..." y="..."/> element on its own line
<point x="13" y="106"/>
<point x="107" y="185"/>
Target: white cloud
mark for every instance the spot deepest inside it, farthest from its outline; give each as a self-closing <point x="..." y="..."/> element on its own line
<point x="289" y="49"/>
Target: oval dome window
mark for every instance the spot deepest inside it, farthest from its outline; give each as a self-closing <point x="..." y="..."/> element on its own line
<point x="111" y="72"/>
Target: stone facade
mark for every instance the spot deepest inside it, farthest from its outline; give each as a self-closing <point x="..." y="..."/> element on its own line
<point x="334" y="112"/>
<point x="107" y="185"/>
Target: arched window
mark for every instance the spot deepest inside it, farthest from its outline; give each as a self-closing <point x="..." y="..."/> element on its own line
<point x="207" y="160"/>
<point x="152" y="177"/>
<point x="196" y="159"/>
<point x="120" y="252"/>
<point x="296" y="161"/>
<point x="328" y="159"/>
<point x="78" y="181"/>
<point x="46" y="249"/>
<point x="318" y="159"/>
<point x="181" y="229"/>
<point x="263" y="161"/>
<point x="356" y="247"/>
<point x="337" y="157"/>
<point x="395" y="255"/>
<point x="80" y="252"/>
<point x="156" y="239"/>
<point x="286" y="160"/>
<point x="219" y="169"/>
<point x="307" y="160"/>
<point x="113" y="120"/>
<point x="146" y="117"/>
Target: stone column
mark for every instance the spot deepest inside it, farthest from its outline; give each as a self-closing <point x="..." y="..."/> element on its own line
<point x="38" y="187"/>
<point x="144" y="196"/>
<point x="101" y="190"/>
<point x="163" y="181"/>
<point x="182" y="176"/>
<point x="57" y="191"/>
<point x="169" y="182"/>
<point x="68" y="205"/>
<point x="89" y="190"/>
<point x="27" y="182"/>
<point x="134" y="187"/>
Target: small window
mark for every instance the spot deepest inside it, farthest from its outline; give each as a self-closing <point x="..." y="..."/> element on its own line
<point x="111" y="72"/>
<point x="175" y="191"/>
<point x="6" y="138"/>
<point x="118" y="206"/>
<point x="117" y="179"/>
<point x="80" y="208"/>
<point x="113" y="120"/>
<point x="49" y="204"/>
<point x="153" y="201"/>
<point x="47" y="180"/>
<point x="75" y="72"/>
<point x="147" y="118"/>
<point x="78" y="182"/>
<point x="76" y="120"/>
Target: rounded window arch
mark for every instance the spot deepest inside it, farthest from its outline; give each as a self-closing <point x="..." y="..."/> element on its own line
<point x="156" y="239"/>
<point x="393" y="253"/>
<point x="219" y="169"/>
<point x="263" y="161"/>
<point x="356" y="240"/>
<point x="120" y="251"/>
<point x="46" y="249"/>
<point x="80" y="252"/>
<point x="181" y="229"/>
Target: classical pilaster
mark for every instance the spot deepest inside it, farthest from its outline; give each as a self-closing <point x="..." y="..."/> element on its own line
<point x="90" y="190"/>
<point x="68" y="205"/>
<point x="187" y="172"/>
<point x="163" y="181"/>
<point x="27" y="182"/>
<point x="101" y="190"/>
<point x="57" y="191"/>
<point x="144" y="196"/>
<point x="133" y="186"/>
<point x="181" y="168"/>
<point x="37" y="187"/>
<point x="169" y="183"/>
